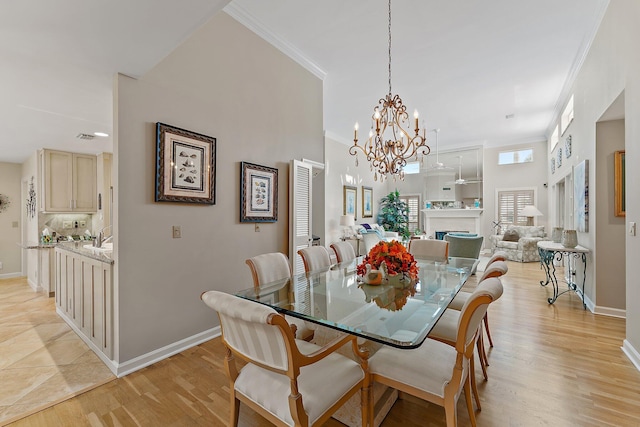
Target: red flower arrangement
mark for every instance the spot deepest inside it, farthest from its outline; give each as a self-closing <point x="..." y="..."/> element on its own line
<point x="394" y="255"/>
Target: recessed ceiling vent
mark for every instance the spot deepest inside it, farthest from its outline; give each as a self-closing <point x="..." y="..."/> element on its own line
<point x="85" y="136"/>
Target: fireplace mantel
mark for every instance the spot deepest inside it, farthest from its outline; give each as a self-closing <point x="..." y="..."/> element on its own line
<point x="451" y="220"/>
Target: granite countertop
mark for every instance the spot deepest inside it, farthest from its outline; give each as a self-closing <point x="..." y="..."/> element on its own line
<point x="37" y="245"/>
<point x="77" y="247"/>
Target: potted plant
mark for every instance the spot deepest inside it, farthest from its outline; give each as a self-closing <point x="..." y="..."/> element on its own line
<point x="394" y="215"/>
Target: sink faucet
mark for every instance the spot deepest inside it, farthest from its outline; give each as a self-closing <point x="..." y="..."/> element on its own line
<point x="100" y="240"/>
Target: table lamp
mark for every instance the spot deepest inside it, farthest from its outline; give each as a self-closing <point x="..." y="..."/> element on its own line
<point x="530" y="211"/>
<point x="347" y="222"/>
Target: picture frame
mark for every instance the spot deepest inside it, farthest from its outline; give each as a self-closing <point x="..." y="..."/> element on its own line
<point x="185" y="166"/>
<point x="258" y="193"/>
<point x="367" y="202"/>
<point x="349" y="199"/>
<point x="619" y="183"/>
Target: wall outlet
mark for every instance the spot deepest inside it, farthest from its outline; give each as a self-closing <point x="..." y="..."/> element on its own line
<point x="82" y="224"/>
<point x="177" y="233"/>
<point x="67" y="224"/>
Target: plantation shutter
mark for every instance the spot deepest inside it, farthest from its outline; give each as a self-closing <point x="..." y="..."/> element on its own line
<point x="413" y="203"/>
<point x="511" y="203"/>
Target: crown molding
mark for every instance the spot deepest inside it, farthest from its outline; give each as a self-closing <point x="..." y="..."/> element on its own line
<point x="241" y="15"/>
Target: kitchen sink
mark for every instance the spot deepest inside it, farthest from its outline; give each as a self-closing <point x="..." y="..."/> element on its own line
<point x="105" y="249"/>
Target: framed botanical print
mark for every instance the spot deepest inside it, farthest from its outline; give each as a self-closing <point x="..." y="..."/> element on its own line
<point x="367" y="202"/>
<point x="349" y="200"/>
<point x="258" y="193"/>
<point x="185" y="166"/>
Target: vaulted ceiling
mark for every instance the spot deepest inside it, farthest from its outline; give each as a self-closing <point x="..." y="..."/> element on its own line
<point x="464" y="65"/>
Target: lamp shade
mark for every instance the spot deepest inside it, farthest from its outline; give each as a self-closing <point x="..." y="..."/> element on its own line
<point x="347" y="220"/>
<point x="530" y="211"/>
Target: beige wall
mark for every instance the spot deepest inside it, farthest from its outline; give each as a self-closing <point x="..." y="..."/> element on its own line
<point x="612" y="66"/>
<point x="504" y="177"/>
<point x="10" y="186"/>
<point x="263" y="108"/>
<point x="609" y="229"/>
<point x="30" y="231"/>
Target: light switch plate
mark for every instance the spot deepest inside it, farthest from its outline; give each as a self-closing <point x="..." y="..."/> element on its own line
<point x="67" y="224"/>
<point x="632" y="228"/>
<point x="177" y="232"/>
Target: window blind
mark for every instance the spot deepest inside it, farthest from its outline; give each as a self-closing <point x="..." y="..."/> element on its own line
<point x="511" y="203"/>
<point x="413" y="203"/>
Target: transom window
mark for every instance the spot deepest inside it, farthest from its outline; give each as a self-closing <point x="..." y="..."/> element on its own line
<point x="515" y="156"/>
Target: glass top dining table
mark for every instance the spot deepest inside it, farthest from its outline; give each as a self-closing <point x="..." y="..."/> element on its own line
<point x="399" y="315"/>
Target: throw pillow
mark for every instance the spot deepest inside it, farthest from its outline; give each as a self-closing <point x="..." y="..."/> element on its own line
<point x="511" y="236"/>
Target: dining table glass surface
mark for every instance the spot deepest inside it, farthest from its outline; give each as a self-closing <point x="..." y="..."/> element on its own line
<point x="396" y="314"/>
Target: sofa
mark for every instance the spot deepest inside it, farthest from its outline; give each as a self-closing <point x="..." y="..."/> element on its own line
<point x="520" y="242"/>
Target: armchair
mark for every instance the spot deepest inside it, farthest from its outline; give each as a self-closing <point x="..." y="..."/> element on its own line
<point x="523" y="246"/>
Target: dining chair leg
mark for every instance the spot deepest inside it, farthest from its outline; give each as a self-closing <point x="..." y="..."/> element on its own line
<point x="486" y="328"/>
<point x="474" y="385"/>
<point x="483" y="357"/>
<point x="467" y="396"/>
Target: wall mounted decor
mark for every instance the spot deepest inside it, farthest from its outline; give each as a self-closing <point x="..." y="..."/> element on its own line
<point x="258" y="193"/>
<point x="553" y="165"/>
<point x="619" y="184"/>
<point x="185" y="166"/>
<point x="31" y="200"/>
<point x="581" y="196"/>
<point x="559" y="156"/>
<point x="349" y="199"/>
<point x="4" y="202"/>
<point x="567" y="147"/>
<point x="367" y="202"/>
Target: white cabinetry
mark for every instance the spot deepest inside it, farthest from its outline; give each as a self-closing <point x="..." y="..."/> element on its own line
<point x="68" y="182"/>
<point x="84" y="298"/>
<point x="440" y="186"/>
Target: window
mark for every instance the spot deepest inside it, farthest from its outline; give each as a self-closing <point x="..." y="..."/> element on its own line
<point x="567" y="116"/>
<point x="553" y="141"/>
<point x="510" y="203"/>
<point x="517" y="156"/>
<point x="412" y="168"/>
<point x="413" y="203"/>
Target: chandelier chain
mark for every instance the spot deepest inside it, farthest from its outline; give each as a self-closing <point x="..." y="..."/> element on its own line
<point x="389" y="28"/>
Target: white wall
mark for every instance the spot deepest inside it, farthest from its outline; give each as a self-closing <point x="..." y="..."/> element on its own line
<point x="340" y="170"/>
<point x="523" y="175"/>
<point x="612" y="66"/>
<point x="263" y="108"/>
<point x="10" y="184"/>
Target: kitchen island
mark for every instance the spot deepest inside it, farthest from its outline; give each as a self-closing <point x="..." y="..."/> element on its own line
<point x="84" y="294"/>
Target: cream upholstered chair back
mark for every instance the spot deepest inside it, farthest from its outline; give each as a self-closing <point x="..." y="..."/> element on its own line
<point x="495" y="269"/>
<point x="474" y="310"/>
<point x="269" y="267"/>
<point x="497" y="256"/>
<point x="271" y="382"/>
<point x="370" y="240"/>
<point x="344" y="251"/>
<point x="247" y="331"/>
<point x="315" y="258"/>
<point x="429" y="249"/>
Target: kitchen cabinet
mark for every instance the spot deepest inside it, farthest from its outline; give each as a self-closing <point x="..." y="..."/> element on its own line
<point x="440" y="186"/>
<point x="84" y="297"/>
<point x="68" y="182"/>
<point x="46" y="270"/>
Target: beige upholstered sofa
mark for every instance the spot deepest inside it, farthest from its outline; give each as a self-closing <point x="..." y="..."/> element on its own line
<point x="525" y="249"/>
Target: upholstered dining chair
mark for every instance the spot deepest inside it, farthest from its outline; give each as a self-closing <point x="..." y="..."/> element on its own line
<point x="464" y="247"/>
<point x="430" y="249"/>
<point x="274" y="266"/>
<point x="290" y="382"/>
<point x="437" y="371"/>
<point x="497" y="256"/>
<point x="344" y="251"/>
<point x="315" y="258"/>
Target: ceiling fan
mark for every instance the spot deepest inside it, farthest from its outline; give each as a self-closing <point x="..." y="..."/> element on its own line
<point x="461" y="180"/>
<point x="438" y="166"/>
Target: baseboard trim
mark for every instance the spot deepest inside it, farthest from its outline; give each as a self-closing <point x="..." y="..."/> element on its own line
<point x="10" y="275"/>
<point x="135" y="364"/>
<point x="612" y="312"/>
<point x="631" y="353"/>
<point x="34" y="286"/>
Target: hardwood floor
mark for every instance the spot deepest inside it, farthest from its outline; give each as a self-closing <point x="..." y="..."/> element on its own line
<point x="552" y="365"/>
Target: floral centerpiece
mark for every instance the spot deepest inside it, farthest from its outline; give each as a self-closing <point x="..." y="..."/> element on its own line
<point x="399" y="262"/>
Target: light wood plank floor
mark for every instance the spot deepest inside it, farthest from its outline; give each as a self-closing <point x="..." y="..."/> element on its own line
<point x="552" y="366"/>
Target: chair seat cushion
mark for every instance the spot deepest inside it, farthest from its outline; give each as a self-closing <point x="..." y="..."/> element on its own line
<point x="321" y="384"/>
<point x="507" y="244"/>
<point x="427" y="368"/>
<point x="459" y="300"/>
<point x="447" y="327"/>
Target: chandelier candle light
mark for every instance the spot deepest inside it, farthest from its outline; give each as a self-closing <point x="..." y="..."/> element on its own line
<point x="389" y="154"/>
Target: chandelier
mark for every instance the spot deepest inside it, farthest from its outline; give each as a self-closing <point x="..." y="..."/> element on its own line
<point x="390" y="145"/>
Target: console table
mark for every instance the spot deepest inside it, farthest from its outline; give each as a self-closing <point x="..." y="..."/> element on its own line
<point x="549" y="252"/>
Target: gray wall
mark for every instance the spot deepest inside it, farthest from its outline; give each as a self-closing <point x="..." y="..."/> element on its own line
<point x="263" y="108"/>
<point x="10" y="186"/>
<point x="610" y="229"/>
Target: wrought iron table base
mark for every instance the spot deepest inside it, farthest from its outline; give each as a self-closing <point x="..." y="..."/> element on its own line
<point x="547" y="258"/>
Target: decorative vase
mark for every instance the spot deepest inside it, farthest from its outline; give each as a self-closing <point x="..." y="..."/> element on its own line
<point x="569" y="238"/>
<point x="556" y="234"/>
